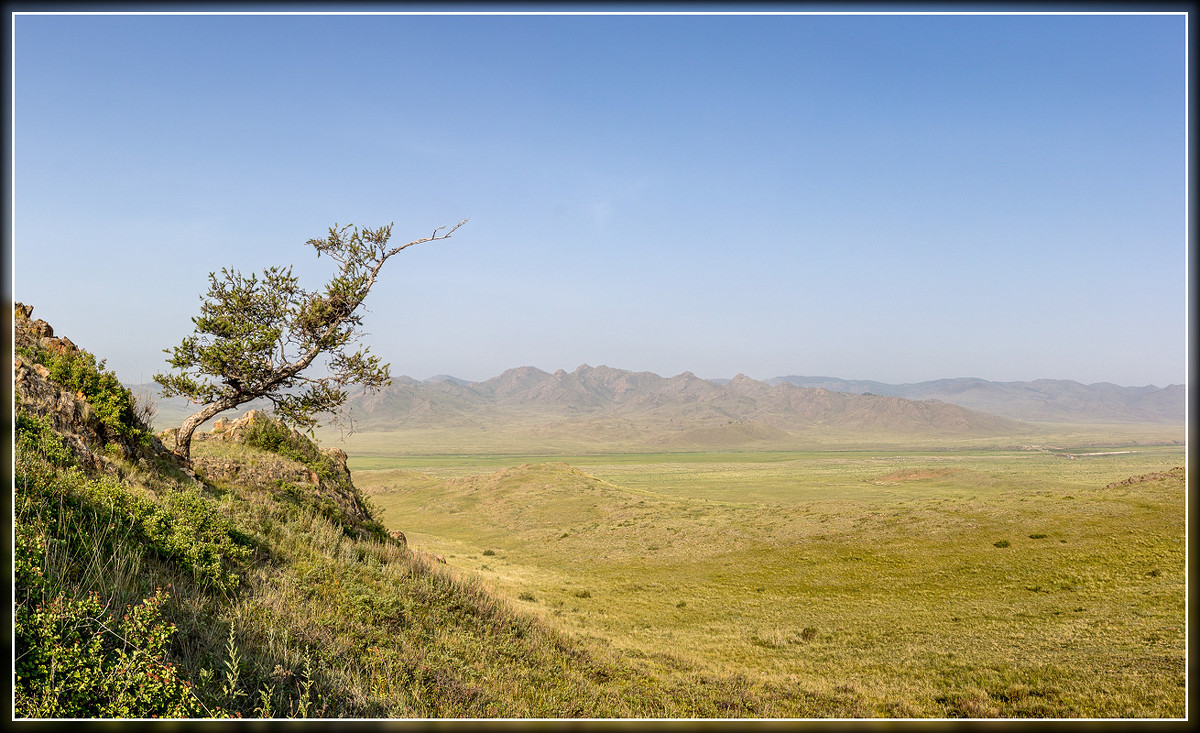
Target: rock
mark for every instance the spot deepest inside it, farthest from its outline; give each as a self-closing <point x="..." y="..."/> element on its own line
<point x="254" y="416"/>
<point x="41" y="329"/>
<point x="339" y="459"/>
<point x="337" y="454"/>
<point x="335" y="484"/>
<point x="237" y="429"/>
<point x="60" y="345"/>
<point x="67" y="410"/>
<point x="71" y="417"/>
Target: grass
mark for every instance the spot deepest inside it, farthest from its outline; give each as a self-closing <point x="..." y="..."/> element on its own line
<point x="843" y="580"/>
<point x="292" y="615"/>
<point x="536" y="435"/>
<point x="945" y="584"/>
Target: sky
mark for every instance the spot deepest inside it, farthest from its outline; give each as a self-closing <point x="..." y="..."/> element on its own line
<point x="890" y="197"/>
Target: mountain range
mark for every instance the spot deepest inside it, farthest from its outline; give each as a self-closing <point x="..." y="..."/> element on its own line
<point x="644" y="410"/>
<point x="685" y="398"/>
<point x="1042" y="400"/>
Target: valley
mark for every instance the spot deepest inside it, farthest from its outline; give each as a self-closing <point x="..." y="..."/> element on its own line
<point x="823" y="553"/>
<point x="919" y="583"/>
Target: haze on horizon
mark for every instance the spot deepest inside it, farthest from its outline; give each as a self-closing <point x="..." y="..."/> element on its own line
<point x="892" y="198"/>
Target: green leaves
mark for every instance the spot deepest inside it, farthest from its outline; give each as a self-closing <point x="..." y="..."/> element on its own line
<point x="255" y="336"/>
<point x="75" y="661"/>
<point x="80" y="372"/>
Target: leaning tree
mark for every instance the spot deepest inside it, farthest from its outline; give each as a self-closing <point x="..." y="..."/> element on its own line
<point x="255" y="337"/>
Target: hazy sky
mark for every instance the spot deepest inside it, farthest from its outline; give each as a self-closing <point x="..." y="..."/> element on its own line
<point x="898" y="198"/>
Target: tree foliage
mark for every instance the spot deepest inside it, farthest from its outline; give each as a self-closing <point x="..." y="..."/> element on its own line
<point x="256" y="335"/>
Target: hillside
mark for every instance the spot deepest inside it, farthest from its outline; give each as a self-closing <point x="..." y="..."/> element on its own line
<point x="1045" y="400"/>
<point x="262" y="579"/>
<point x="259" y="582"/>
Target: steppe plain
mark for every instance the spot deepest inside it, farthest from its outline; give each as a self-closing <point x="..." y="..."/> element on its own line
<point x="1039" y="575"/>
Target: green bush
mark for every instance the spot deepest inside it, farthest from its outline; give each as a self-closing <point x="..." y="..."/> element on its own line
<point x="181" y="526"/>
<point x="1002" y="543"/>
<point x="114" y="405"/>
<point x="36" y="437"/>
<point x="74" y="661"/>
<point x="275" y="437"/>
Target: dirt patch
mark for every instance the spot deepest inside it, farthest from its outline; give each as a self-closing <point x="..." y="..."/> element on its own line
<point x="1179" y="472"/>
<point x="914" y="475"/>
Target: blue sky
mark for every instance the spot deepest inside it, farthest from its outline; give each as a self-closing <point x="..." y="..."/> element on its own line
<point x="898" y="198"/>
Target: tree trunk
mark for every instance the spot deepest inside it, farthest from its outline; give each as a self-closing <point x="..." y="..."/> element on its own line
<point x="183" y="439"/>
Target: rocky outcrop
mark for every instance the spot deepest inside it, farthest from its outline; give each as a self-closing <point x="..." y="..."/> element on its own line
<point x="68" y="411"/>
<point x="68" y="414"/>
<point x="296" y="462"/>
<point x="325" y="471"/>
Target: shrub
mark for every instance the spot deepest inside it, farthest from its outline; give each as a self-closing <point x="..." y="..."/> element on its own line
<point x="809" y="633"/>
<point x="275" y="437"/>
<point x="74" y="661"/>
<point x="144" y="406"/>
<point x="526" y="596"/>
<point x="181" y="526"/>
<point x="1037" y="536"/>
<point x="79" y="372"/>
<point x="1002" y="543"/>
<point x="489" y="552"/>
<point x="36" y="437"/>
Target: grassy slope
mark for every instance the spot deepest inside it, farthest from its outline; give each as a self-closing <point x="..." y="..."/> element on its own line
<point x="799" y="585"/>
<point x="275" y="609"/>
<point x="870" y="575"/>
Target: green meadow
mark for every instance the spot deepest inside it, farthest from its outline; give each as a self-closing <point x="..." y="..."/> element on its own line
<point x="923" y="582"/>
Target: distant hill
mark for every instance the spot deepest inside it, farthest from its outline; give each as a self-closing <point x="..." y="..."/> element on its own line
<point x="645" y="410"/>
<point x="642" y="410"/>
<point x="1043" y="400"/>
<point x="615" y="409"/>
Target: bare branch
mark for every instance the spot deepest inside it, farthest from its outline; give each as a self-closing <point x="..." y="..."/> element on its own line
<point x="431" y="238"/>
